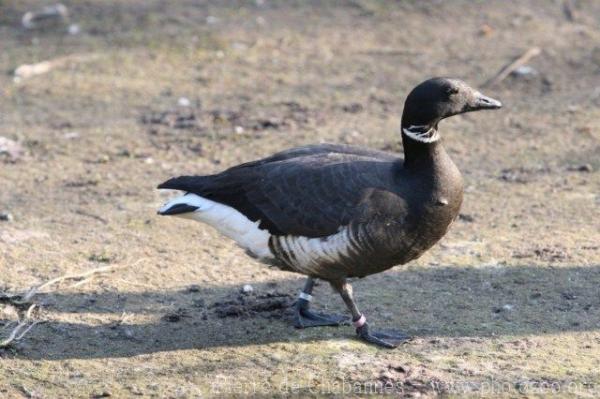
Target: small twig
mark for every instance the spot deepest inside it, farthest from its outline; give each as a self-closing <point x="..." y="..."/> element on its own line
<point x="26" y="71"/>
<point x="15" y="336"/>
<point x="22" y="328"/>
<point x="124" y="317"/>
<point x="91" y="215"/>
<point x="35" y="289"/>
<point x="509" y="68"/>
<point x="22" y="299"/>
<point x="29" y="311"/>
<point x="122" y="320"/>
<point x="82" y="282"/>
<point x="10" y="323"/>
<point x="20" y="337"/>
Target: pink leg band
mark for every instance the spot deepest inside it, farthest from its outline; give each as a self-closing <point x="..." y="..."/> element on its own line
<point x="360" y="322"/>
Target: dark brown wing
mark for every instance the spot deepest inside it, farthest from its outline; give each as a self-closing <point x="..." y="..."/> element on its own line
<point x="316" y="149"/>
<point x="309" y="195"/>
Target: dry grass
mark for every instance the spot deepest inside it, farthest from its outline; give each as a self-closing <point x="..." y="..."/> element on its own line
<point x="508" y="302"/>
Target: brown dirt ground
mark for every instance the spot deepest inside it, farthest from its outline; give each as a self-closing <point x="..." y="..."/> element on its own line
<point x="507" y="304"/>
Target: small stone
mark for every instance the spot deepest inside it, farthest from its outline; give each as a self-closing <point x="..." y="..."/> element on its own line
<point x="581" y="168"/>
<point x="398" y="368"/>
<point x="486" y="30"/>
<point x="352" y="108"/>
<point x="507" y="307"/>
<point x="172" y="318"/>
<point x="10" y="149"/>
<point x="466" y="218"/>
<point x="135" y="390"/>
<point x="45" y="17"/>
<point x="6" y="217"/>
<point x="193" y="288"/>
<point x="239" y="130"/>
<point x="525" y="70"/>
<point x="184" y="102"/>
<point x="247" y="289"/>
<point x="71" y="135"/>
<point x="73" y="29"/>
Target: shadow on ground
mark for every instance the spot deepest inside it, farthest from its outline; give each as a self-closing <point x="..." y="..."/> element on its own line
<point x="434" y="301"/>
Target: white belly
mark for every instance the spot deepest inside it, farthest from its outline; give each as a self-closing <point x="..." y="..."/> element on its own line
<point x="308" y="255"/>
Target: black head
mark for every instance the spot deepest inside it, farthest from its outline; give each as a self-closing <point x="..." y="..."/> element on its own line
<point x="439" y="98"/>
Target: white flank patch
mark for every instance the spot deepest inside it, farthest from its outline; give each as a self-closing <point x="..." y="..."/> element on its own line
<point x="227" y="221"/>
<point x="311" y="253"/>
<point x="428" y="136"/>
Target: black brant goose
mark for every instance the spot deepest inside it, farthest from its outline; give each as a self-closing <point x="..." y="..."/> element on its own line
<point x="335" y="211"/>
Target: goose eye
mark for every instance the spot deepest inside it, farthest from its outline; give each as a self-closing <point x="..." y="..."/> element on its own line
<point x="451" y="90"/>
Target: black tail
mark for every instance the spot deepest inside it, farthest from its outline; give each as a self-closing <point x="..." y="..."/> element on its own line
<point x="178" y="209"/>
<point x="186" y="183"/>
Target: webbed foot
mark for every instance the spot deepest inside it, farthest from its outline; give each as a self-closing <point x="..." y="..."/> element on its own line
<point x="304" y="317"/>
<point x="388" y="339"/>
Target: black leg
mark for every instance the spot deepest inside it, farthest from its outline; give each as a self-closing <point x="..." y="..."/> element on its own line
<point x="384" y="339"/>
<point x="304" y="317"/>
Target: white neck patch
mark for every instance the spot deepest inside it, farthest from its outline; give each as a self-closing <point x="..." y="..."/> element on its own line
<point x="420" y="134"/>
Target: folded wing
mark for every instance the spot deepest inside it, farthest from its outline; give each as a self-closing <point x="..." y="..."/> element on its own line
<point x="301" y="193"/>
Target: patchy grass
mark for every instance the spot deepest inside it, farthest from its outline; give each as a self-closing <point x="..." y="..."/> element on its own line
<point x="506" y="305"/>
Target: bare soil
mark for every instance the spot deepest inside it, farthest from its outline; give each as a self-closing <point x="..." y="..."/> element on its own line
<point x="507" y="304"/>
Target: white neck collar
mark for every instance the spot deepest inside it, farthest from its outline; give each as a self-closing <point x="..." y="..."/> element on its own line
<point x="418" y="133"/>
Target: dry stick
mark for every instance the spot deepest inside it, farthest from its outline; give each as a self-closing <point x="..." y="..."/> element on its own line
<point x="124" y="317"/>
<point x="26" y="71"/>
<point x="91" y="215"/>
<point x="507" y="69"/>
<point x="10" y="323"/>
<point x="22" y="328"/>
<point x="34" y="290"/>
<point x="90" y="273"/>
<point x="82" y="282"/>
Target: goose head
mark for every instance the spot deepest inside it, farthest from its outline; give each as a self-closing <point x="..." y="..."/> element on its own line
<point x="439" y="98"/>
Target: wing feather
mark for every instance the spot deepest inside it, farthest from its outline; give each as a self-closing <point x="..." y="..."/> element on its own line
<point x="309" y="191"/>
